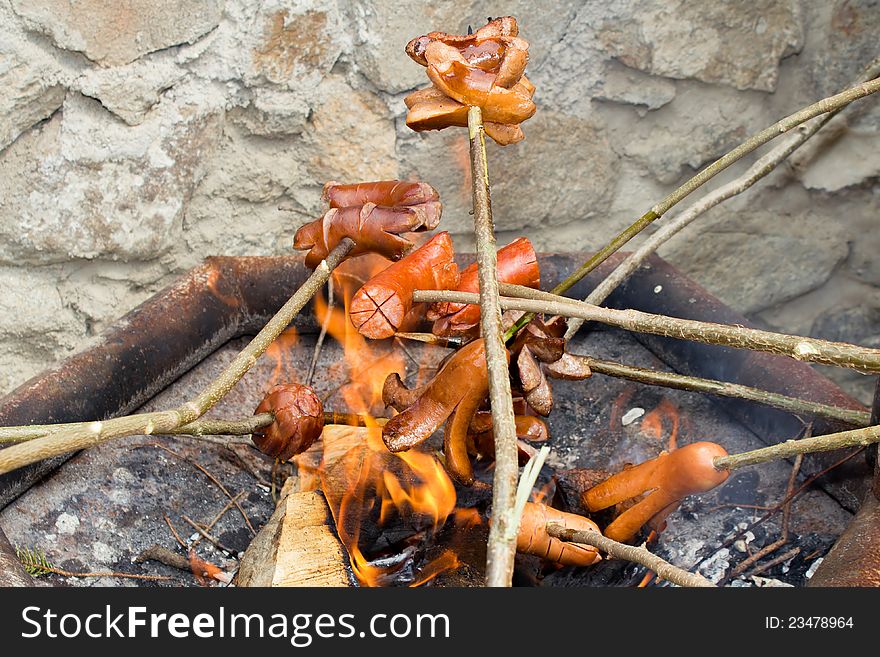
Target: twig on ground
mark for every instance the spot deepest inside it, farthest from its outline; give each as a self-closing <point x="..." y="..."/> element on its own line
<point x="36" y="564"/>
<point x="203" y="533"/>
<point x="800" y="348"/>
<point x="782" y="558"/>
<point x="633" y="553"/>
<point x="211" y="477"/>
<point x="174" y="533"/>
<point x="218" y="516"/>
<point x="761" y="168"/>
<point x="501" y="549"/>
<point x="165" y="556"/>
<point x="725" y="389"/>
<point x="783" y="533"/>
<point x="88" y="434"/>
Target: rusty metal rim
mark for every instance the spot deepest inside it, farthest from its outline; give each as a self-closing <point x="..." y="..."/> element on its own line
<point x="227" y="297"/>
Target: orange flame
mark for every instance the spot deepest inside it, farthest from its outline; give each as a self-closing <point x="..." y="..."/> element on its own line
<point x="368" y="484"/>
<point x="281" y="351"/>
<point x="654" y="423"/>
<point x="369" y="363"/>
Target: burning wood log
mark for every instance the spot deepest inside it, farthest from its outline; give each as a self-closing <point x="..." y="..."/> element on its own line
<point x="370" y="491"/>
<point x="382" y="304"/>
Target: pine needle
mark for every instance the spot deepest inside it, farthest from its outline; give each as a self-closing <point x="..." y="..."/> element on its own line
<point x="34" y="561"/>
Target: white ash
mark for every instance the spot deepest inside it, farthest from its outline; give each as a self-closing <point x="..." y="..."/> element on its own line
<point x="759" y="582"/>
<point x="812" y="569"/>
<point x="632" y="415"/>
<point x="741" y="544"/>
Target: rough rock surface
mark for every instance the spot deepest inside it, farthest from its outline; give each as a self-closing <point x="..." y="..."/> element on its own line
<point x="112" y="32"/>
<point x="137" y="137"/>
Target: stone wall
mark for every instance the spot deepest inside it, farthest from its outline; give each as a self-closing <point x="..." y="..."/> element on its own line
<point x="138" y="137"/>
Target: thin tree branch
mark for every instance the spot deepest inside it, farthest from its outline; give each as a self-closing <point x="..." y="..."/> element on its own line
<point x="725" y="389"/>
<point x="761" y="168"/>
<point x="88" y="434"/>
<point x="781" y="127"/>
<point x="826" y="443"/>
<point x="501" y="548"/>
<point x="811" y="350"/>
<point x="633" y="553"/>
<point x="200" y="428"/>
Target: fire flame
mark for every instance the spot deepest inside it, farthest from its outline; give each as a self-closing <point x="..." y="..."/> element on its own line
<point x="368" y="486"/>
<point x="654" y="423"/>
<point x="281" y="351"/>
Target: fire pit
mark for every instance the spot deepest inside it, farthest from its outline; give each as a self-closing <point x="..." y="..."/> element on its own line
<point x="110" y="504"/>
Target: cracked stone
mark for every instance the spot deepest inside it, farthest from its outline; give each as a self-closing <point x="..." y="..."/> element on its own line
<point x="756" y="259"/>
<point x="112" y="33"/>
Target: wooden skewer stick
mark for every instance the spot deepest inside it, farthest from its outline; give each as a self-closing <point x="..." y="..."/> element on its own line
<point x="781" y="127"/>
<point x="632" y="553"/>
<point x="204" y="427"/>
<point x="501" y="549"/>
<point x="812" y="350"/>
<point x="761" y="168"/>
<point x="725" y="389"/>
<point x="826" y="443"/>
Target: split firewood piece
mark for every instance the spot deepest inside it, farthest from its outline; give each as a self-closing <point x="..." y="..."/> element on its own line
<point x="296" y="547"/>
<point x="299" y="420"/>
<point x="668" y="478"/>
<point x="484" y="69"/>
<point x="517" y="264"/>
<point x="533" y="538"/>
<point x="453" y="396"/>
<point x="388" y="208"/>
<point x="378" y="308"/>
